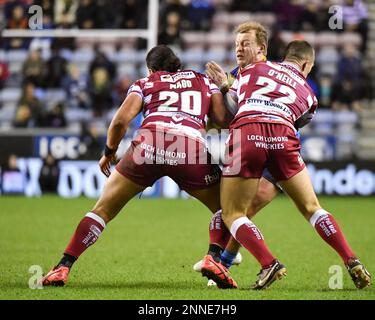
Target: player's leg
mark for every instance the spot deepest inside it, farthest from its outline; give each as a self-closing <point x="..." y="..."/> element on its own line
<point x="300" y="189"/>
<point x="266" y="192"/>
<point x="218" y="232"/>
<point x="118" y="190"/>
<point x="236" y="196"/>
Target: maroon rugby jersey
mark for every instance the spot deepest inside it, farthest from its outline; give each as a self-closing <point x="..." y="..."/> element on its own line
<point x="271" y="92"/>
<point x="178" y="100"/>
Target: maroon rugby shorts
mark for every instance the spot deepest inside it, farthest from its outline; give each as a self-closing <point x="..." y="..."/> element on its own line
<point x="154" y="154"/>
<point x="257" y="146"/>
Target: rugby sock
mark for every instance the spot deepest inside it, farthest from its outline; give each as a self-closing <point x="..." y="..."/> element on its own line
<point x="227" y="258"/>
<point x="215" y="252"/>
<point x="67" y="260"/>
<point x="330" y="232"/>
<point x="250" y="237"/>
<point x="86" y="234"/>
<point x="219" y="233"/>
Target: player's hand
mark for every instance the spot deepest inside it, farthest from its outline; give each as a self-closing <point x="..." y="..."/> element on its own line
<point x="216" y="74"/>
<point x="105" y="164"/>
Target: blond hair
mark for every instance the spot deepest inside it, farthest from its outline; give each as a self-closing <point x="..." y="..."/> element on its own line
<point x="261" y="33"/>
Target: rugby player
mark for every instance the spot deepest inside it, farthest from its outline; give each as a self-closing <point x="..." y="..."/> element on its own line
<point x="271" y="97"/>
<point x="170" y="142"/>
<point x="251" y="46"/>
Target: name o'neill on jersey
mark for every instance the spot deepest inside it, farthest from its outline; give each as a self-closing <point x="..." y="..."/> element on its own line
<point x="272" y="92"/>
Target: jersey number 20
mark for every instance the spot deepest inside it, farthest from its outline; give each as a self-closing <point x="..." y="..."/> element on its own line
<point x="190" y="101"/>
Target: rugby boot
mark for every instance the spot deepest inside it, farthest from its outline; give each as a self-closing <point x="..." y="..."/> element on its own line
<point x="267" y="276"/>
<point x="237" y="261"/>
<point x="58" y="276"/>
<point x="360" y="276"/>
<point x="218" y="273"/>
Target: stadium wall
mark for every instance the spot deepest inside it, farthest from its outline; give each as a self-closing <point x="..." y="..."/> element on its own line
<point x="83" y="178"/>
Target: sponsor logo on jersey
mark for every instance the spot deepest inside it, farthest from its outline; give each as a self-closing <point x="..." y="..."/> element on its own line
<point x="149" y="85"/>
<point x="177" y="76"/>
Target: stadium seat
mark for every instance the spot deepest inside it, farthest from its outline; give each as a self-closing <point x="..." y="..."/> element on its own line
<point x="350" y="38"/>
<point x="8" y="111"/>
<point x="327" y="54"/>
<point x="327" y="39"/>
<point x="218" y="54"/>
<point x="237" y="18"/>
<point x="193" y="38"/>
<point x="82" y="55"/>
<point x="10" y="94"/>
<point x="16" y="55"/>
<point x="193" y="55"/>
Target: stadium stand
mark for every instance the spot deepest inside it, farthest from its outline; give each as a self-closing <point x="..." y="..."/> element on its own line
<point x="344" y="76"/>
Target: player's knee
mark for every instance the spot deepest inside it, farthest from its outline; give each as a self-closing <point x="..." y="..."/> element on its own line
<point x="265" y="194"/>
<point x="101" y="212"/>
<point x="309" y="209"/>
<point x="260" y="201"/>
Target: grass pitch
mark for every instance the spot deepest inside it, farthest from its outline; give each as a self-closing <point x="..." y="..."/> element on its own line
<point x="148" y="251"/>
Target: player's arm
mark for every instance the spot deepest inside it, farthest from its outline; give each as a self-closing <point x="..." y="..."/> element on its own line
<point x="306" y="118"/>
<point x="128" y="110"/>
<point x="220" y="78"/>
<point x="218" y="112"/>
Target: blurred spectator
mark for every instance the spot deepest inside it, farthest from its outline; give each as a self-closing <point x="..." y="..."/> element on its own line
<point x="121" y="89"/>
<point x="17" y="20"/>
<point x="4" y="73"/>
<point x="288" y="14"/>
<point x="345" y="95"/>
<point x="134" y="14"/>
<point x="86" y="14"/>
<point x="30" y="111"/>
<point x="101" y="61"/>
<point x="251" y="6"/>
<point x="75" y="87"/>
<point x="49" y="175"/>
<point x="65" y="12"/>
<point x="48" y="9"/>
<point x="276" y="47"/>
<point x="90" y="139"/>
<point x="355" y="14"/>
<point x="55" y="118"/>
<point x="12" y="180"/>
<point x="107" y="12"/>
<point x="350" y="65"/>
<point x="325" y="91"/>
<point x="324" y="15"/>
<point x="9" y="6"/>
<point x="200" y="13"/>
<point x="170" y="35"/>
<point x="309" y="16"/>
<point x="100" y="90"/>
<point x="23" y="118"/>
<point x="56" y="67"/>
<point x="34" y="69"/>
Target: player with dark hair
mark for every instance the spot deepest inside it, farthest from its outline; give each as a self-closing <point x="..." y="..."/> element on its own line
<point x="170" y="142"/>
<point x="271" y="97"/>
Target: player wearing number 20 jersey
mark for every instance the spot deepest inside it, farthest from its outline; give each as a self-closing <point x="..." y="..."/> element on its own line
<point x="174" y="104"/>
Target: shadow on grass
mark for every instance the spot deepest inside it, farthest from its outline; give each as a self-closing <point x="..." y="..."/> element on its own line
<point x="138" y="285"/>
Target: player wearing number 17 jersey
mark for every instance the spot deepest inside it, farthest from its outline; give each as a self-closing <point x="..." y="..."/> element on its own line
<point x="170" y="142"/>
<point x="271" y="98"/>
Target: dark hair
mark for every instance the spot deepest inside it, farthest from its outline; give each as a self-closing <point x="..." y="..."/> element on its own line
<point x="299" y="50"/>
<point x="162" y="58"/>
